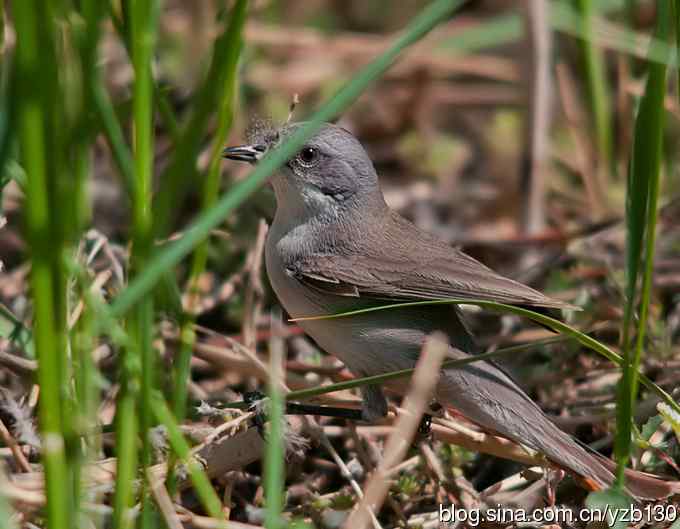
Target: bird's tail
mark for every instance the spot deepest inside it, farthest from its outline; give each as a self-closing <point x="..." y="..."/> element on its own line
<point x="595" y="471"/>
<point x="642" y="485"/>
<point x="590" y="469"/>
<point x="488" y="396"/>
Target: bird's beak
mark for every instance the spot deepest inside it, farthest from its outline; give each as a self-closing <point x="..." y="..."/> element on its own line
<point x="245" y="153"/>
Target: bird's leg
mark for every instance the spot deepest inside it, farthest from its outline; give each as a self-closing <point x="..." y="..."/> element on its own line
<point x="373" y="403"/>
<point x="253" y="399"/>
<point x="553" y="478"/>
<point x="374" y="408"/>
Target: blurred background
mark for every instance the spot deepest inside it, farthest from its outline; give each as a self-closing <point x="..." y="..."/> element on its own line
<point x="507" y="130"/>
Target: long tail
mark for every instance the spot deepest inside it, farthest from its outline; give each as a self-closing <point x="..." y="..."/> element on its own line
<point x="596" y="471"/>
<point x="488" y="396"/>
<point x="591" y="470"/>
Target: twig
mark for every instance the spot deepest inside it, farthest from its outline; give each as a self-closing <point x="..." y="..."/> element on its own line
<point x="160" y="494"/>
<point x="218" y="457"/>
<point x="424" y="379"/>
<point x="235" y="363"/>
<point x="11" y="442"/>
<point x="451" y="432"/>
<point x="581" y="152"/>
<point x="295" y="101"/>
<point x="229" y="481"/>
<point x="229" y="425"/>
<point x="18" y="363"/>
<point x="252" y="301"/>
<point x="346" y="473"/>
<point x="253" y="365"/>
<point x="532" y="184"/>
<point x="204" y="522"/>
<point x="99" y="281"/>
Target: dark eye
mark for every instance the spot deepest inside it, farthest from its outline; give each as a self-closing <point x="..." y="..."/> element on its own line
<point x="308" y="156"/>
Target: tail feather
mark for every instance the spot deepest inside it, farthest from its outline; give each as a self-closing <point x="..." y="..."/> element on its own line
<point x="598" y="472"/>
<point x="642" y="485"/>
<point x="591" y="469"/>
<point x="488" y="396"/>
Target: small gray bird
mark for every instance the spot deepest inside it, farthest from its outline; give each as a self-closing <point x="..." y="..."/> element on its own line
<point x="336" y="246"/>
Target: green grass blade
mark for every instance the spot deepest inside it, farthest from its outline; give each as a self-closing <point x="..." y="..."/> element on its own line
<point x="143" y="31"/>
<point x="436" y="12"/>
<point x="641" y="205"/>
<point x="181" y="171"/>
<point x="122" y="156"/>
<point x="126" y="458"/>
<point x="508" y="28"/>
<point x="204" y="490"/>
<point x="274" y="454"/>
<point x="182" y="363"/>
<point x="210" y="193"/>
<point x="86" y="30"/>
<point x="7" y="122"/>
<point x="676" y="21"/>
<point x="598" y="91"/>
<point x="122" y="27"/>
<point x="36" y="113"/>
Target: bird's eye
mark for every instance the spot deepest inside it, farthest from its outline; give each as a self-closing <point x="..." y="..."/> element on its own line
<point x="308" y="156"/>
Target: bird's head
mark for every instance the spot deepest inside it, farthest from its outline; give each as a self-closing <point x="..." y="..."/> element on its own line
<point x="331" y="172"/>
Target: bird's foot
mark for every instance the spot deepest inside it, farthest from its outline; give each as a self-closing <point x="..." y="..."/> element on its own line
<point x="254" y="400"/>
<point x="553" y="477"/>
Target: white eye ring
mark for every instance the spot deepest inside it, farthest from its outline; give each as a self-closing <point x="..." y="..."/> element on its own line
<point x="308" y="156"/>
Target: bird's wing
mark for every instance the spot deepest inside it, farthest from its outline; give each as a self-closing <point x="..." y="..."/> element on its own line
<point x="407" y="264"/>
<point x="458" y="277"/>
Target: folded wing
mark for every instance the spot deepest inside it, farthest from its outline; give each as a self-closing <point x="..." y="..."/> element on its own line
<point x="407" y="264"/>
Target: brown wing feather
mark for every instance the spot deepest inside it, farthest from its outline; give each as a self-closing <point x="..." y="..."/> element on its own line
<point x="408" y="264"/>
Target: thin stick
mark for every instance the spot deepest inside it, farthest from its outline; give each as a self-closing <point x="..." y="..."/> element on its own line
<point x="253" y="298"/>
<point x="450" y="432"/>
<point x="346" y="473"/>
<point x="98" y="283"/>
<point x="11" y="442"/>
<point x="424" y="380"/>
<point x="160" y="494"/>
<point x="294" y="103"/>
<point x="582" y="154"/>
<point x="532" y="179"/>
<point x="274" y="473"/>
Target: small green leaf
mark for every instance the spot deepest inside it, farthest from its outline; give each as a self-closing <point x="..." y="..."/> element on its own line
<point x="650" y="427"/>
<point x="167" y="296"/>
<point x="609" y="506"/>
<point x="671" y="416"/>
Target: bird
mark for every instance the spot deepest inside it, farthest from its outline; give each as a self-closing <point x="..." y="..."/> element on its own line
<point x="336" y="246"/>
